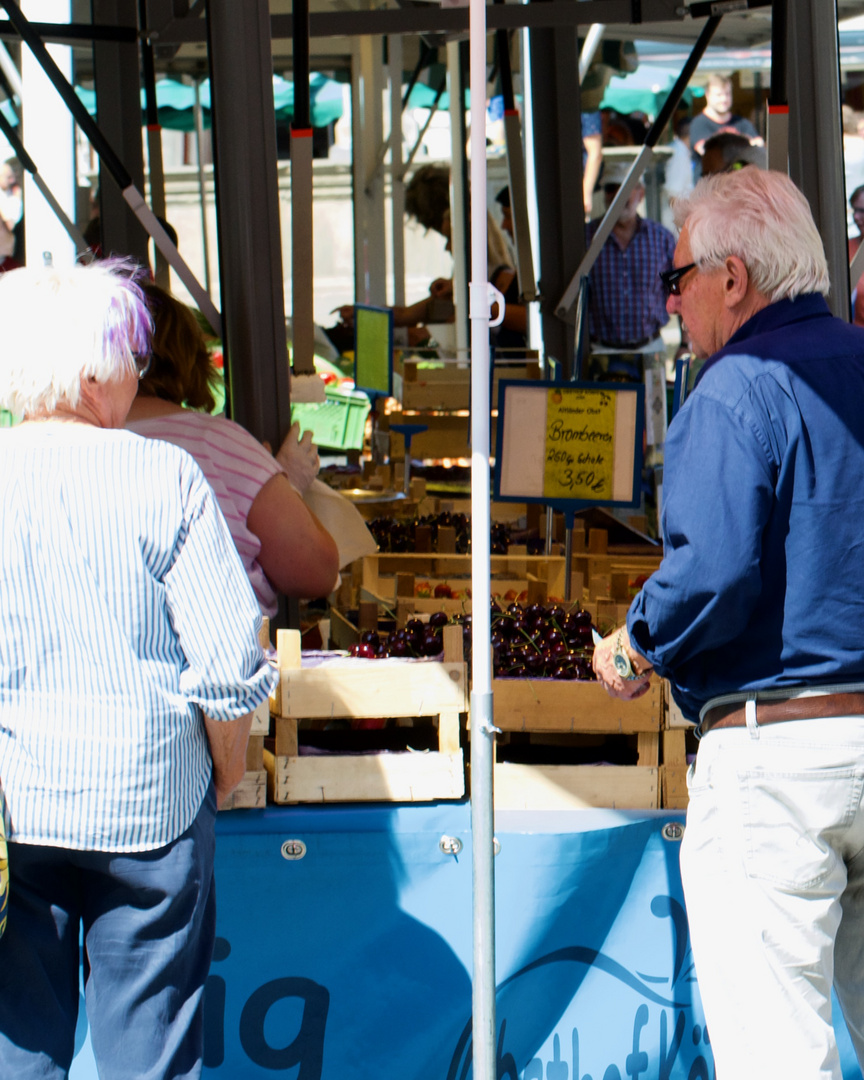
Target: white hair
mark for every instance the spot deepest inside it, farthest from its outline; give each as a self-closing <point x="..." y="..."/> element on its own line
<point x="761" y="217"/>
<point x="59" y="325"/>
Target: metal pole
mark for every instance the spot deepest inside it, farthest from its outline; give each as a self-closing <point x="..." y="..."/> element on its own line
<point x="10" y="71"/>
<point x="589" y="48"/>
<point x="482" y="727"/>
<point x="458" y="194"/>
<point x="552" y="114"/>
<point x="397" y="182"/>
<point x="247" y="205"/>
<point x="778" y="104"/>
<point x="202" y="183"/>
<point x="302" y="322"/>
<point x="565" y="305"/>
<point x="815" y="142"/>
<point x="154" y="141"/>
<point x="516" y="171"/>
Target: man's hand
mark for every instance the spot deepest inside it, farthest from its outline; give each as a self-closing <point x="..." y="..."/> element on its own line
<point x="607" y="675"/>
<point x="441" y="289"/>
<point x="299" y="458"/>
<point x="228" y="740"/>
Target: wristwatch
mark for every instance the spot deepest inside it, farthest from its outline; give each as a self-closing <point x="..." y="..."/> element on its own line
<point x="621" y="661"/>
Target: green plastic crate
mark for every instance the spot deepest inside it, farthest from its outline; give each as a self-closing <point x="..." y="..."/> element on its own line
<point x="339" y="423"/>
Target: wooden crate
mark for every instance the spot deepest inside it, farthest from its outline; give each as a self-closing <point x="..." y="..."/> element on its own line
<point x="447" y="435"/>
<point x="368" y="689"/>
<point x="562" y="709"/>
<point x="447" y="388"/>
<point x="677" y="738"/>
<point x="516" y="575"/>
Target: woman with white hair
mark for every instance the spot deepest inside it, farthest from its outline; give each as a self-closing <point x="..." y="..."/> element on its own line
<point x="129" y="665"/>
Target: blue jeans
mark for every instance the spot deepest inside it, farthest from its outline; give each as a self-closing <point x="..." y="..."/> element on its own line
<point x="149" y="921"/>
<point x="772" y="864"/>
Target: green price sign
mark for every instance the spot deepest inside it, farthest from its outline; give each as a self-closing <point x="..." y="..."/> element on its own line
<point x="580" y="444"/>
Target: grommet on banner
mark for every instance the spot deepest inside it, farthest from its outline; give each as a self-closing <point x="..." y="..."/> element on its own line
<point x="450" y="845"/>
<point x="293" y="850"/>
<point x="672" y="830"/>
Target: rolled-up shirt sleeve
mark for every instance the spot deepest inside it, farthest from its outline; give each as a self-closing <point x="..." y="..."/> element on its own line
<point x="716" y="501"/>
<point x="215" y="614"/>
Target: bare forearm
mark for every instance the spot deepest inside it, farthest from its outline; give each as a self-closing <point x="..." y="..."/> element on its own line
<point x="412" y="315"/>
<point x="228" y="740"/>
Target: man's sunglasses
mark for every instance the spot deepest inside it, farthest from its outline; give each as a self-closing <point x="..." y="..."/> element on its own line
<point x="672" y="278"/>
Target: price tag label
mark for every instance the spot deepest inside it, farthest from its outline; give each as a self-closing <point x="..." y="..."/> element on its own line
<point x="580" y="442"/>
<point x="569" y="445"/>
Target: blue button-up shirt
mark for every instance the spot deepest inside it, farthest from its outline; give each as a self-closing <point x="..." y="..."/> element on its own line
<point x="762" y="580"/>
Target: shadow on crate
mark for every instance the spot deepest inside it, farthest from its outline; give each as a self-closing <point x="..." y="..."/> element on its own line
<point x="525" y="748"/>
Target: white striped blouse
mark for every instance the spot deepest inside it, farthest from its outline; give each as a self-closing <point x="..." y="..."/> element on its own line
<point x="124" y="614"/>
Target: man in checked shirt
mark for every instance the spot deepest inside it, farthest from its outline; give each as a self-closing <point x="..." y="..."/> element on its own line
<point x="626" y="300"/>
<point x="626" y="309"/>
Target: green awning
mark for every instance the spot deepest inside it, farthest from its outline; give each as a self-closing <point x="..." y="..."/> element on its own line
<point x="176" y="102"/>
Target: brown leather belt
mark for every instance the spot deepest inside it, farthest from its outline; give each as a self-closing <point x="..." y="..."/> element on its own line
<point x="794" y="708"/>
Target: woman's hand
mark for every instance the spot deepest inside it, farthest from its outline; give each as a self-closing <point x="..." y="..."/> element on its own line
<point x="299" y="458"/>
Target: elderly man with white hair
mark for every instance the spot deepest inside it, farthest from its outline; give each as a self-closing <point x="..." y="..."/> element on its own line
<point x="756" y="617"/>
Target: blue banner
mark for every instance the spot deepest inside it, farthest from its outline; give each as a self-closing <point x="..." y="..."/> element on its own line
<point x="344" y="948"/>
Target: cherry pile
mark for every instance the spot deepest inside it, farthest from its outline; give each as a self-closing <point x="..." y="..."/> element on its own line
<point x="392" y="535"/>
<point x="528" y="641"/>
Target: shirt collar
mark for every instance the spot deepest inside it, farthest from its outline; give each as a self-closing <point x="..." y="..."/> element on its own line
<point x="776" y="316"/>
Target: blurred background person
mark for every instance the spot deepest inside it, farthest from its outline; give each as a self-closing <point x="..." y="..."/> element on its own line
<point x="728" y="151"/>
<point x="856" y="201"/>
<point x="427" y="201"/>
<point x="679" y="172"/>
<point x="282" y="544"/>
<point x="853" y="159"/>
<point x="11" y="216"/>
<point x="130" y="670"/>
<point x="717" y="115"/>
<point x="626" y="299"/>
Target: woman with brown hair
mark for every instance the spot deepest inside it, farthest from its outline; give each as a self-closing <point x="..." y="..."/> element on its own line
<point x="283" y="546"/>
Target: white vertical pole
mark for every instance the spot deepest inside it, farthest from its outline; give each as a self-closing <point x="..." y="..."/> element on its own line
<point x="535" y="325"/>
<point x="482" y="729"/>
<point x="50" y="140"/>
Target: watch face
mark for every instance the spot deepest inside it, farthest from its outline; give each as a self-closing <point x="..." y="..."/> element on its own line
<point x="622" y="665"/>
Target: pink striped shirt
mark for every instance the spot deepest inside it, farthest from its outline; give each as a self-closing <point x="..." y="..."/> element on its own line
<point x="237" y="467"/>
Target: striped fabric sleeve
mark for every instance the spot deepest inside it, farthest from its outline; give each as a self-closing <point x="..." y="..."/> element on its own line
<point x="213" y="610"/>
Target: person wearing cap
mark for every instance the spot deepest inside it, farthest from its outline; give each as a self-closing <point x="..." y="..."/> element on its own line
<point x="626" y="301"/>
<point x="755" y="618"/>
